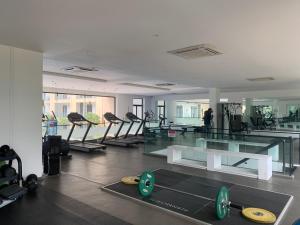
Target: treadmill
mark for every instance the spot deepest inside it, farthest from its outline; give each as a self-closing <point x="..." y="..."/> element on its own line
<point x="78" y="120"/>
<point x="116" y="140"/>
<point x="134" y="119"/>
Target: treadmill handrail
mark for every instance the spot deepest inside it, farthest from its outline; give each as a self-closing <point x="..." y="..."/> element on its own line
<point x="114" y="119"/>
<point x="82" y="119"/>
<point x="132" y="117"/>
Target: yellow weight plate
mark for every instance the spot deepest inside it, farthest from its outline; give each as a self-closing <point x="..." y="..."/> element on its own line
<point x="130" y="180"/>
<point x="259" y="215"/>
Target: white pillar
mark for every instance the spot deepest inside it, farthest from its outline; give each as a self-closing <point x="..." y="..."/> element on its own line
<point x="276" y="108"/>
<point x="171" y="110"/>
<point x="21" y="105"/>
<point x="214" y="99"/>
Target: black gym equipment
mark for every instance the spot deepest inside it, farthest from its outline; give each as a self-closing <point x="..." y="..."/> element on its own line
<point x="78" y="120"/>
<point x="13" y="186"/>
<point x="230" y="118"/>
<point x="204" y="200"/>
<point x="6" y="151"/>
<point x="64" y="145"/>
<point x="31" y="183"/>
<point x="137" y="135"/>
<point x="52" y="152"/>
<point x="7" y="171"/>
<point x="116" y="140"/>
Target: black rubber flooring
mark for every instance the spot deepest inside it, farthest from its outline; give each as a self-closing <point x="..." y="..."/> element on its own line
<point x="198" y="208"/>
<point x="51" y="208"/>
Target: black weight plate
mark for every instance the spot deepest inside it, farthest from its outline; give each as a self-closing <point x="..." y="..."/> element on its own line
<point x="31" y="182"/>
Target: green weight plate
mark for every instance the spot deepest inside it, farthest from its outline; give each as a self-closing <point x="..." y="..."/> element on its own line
<point x="221" y="203"/>
<point x="146" y="184"/>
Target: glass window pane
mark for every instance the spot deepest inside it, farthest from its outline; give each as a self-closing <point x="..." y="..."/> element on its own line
<point x="160" y="103"/>
<point x="137" y="101"/>
<point x="139" y="112"/>
<point x="91" y="107"/>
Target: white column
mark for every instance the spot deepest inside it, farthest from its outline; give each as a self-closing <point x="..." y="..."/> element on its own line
<point x="171" y="110"/>
<point x="21" y="105"/>
<point x="214" y="99"/>
<point x="276" y="108"/>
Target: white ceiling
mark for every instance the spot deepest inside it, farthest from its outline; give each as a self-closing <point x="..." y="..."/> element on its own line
<point x="129" y="39"/>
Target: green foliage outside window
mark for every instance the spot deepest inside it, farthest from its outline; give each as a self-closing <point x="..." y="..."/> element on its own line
<point x="62" y="121"/>
<point x="92" y="117"/>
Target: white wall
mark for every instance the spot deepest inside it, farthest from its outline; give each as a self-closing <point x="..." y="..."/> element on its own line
<point x="21" y="105"/>
<point x="123" y="105"/>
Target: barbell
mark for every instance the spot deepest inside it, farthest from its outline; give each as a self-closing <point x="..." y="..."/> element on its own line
<point x="146" y="184"/>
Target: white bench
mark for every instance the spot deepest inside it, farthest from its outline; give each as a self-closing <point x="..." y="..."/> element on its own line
<point x="214" y="161"/>
<point x="234" y="145"/>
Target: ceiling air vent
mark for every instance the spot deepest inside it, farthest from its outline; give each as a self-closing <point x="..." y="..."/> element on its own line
<point x="80" y="69"/>
<point x="196" y="51"/>
<point x="164" y="84"/>
<point x="260" y="79"/>
<point x="49" y="73"/>
<point x="145" y="86"/>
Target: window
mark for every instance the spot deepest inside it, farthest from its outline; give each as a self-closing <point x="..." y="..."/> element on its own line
<point x="81" y="108"/>
<point x="179" y="111"/>
<point x="62" y="96"/>
<point x="65" y="110"/>
<point x="89" y="108"/>
<point x="138" y="107"/>
<point x="194" y="111"/>
<point x="161" y="109"/>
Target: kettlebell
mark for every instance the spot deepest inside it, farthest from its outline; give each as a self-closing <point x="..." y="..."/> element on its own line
<point x="7" y="171"/>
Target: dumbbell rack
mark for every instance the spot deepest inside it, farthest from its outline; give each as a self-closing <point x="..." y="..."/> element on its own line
<point x="17" y="177"/>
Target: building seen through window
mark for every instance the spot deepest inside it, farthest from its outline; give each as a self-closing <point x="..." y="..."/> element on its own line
<point x="91" y="107"/>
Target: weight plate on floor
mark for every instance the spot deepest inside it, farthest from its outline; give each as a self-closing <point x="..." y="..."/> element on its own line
<point x="130" y="180"/>
<point x="146" y="184"/>
<point x="31" y="183"/>
<point x="259" y="215"/>
<point x="222" y="203"/>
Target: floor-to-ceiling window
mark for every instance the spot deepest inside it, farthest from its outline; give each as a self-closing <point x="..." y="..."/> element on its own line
<point x="161" y="109"/>
<point x="58" y="106"/>
<point x="138" y="107"/>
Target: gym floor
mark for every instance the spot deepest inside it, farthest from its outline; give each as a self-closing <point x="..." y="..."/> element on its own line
<point x="83" y="176"/>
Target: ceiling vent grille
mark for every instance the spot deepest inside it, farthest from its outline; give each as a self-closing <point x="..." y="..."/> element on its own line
<point x="196" y="51"/>
<point x="80" y="69"/>
<point x="145" y="86"/>
<point x="164" y="84"/>
<point x="260" y="79"/>
<point x="49" y="73"/>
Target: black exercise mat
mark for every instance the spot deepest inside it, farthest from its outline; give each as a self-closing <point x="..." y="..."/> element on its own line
<point x="200" y="209"/>
<point x="52" y="208"/>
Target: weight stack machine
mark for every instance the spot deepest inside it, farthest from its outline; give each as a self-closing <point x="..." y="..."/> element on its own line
<point x="229" y="117"/>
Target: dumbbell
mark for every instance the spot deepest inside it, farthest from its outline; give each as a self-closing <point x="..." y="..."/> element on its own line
<point x="7" y="171"/>
<point x="31" y="183"/>
<point x="146" y="184"/>
<point x="6" y="151"/>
